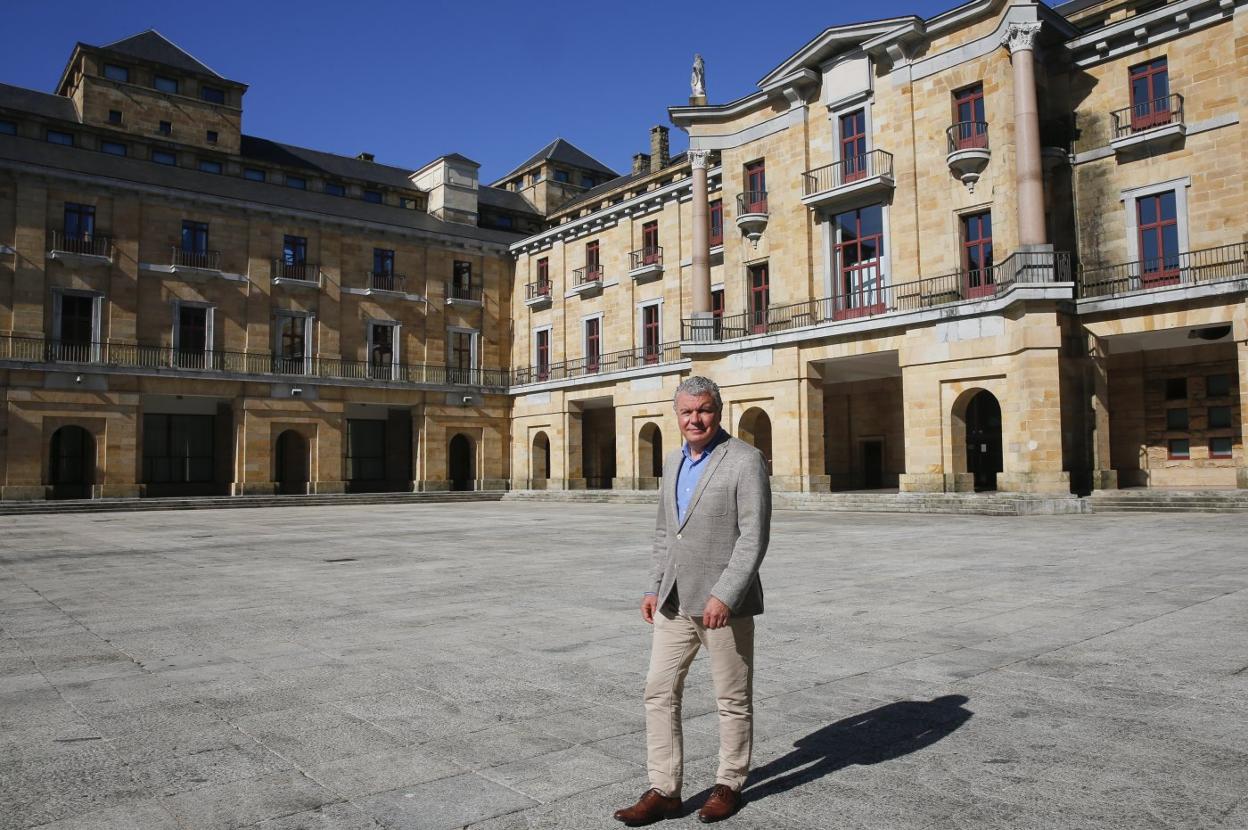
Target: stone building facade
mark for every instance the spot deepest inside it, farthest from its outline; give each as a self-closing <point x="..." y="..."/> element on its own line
<point x="999" y="248"/>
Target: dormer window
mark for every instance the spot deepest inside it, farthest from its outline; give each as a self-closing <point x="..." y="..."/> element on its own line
<point x="116" y="73"/>
<point x="164" y="83"/>
<point x="212" y="136"/>
<point x="335" y="189"/>
<point x="165" y="128"/>
<point x="297" y="182"/>
<point x="114" y="116"/>
<point x="373" y="196"/>
<point x="562" y="176"/>
<point x="212" y="94"/>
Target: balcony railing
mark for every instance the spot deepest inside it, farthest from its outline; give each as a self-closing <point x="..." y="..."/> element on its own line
<point x="463" y="292"/>
<point x="205" y="260"/>
<point x="967" y="135"/>
<point x="597" y="365"/>
<point x="536" y="290"/>
<point x="1147" y="115"/>
<point x="137" y="356"/>
<point x="1225" y="262"/>
<point x="90" y="244"/>
<point x="387" y="281"/>
<point x="847" y="171"/>
<point x="751" y="201"/>
<point x="645" y="257"/>
<point x="874" y="297"/>
<point x="300" y="271"/>
<point x="589" y="275"/>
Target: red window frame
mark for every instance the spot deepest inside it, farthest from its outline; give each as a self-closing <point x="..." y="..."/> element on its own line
<point x="715" y="218"/>
<point x="1230" y="444"/>
<point x="1150" y="94"/>
<point x="977" y="254"/>
<point x="968" y="114"/>
<point x="853" y="127"/>
<point x="717" y="311"/>
<point x="650" y="333"/>
<point x="650" y="243"/>
<point x="760" y="297"/>
<point x="543" y="276"/>
<point x="593" y="343"/>
<point x="542" y="349"/>
<point x="756" y="187"/>
<point x="853" y="298"/>
<point x="1163" y="233"/>
<point x="593" y="266"/>
<point x="1179" y="455"/>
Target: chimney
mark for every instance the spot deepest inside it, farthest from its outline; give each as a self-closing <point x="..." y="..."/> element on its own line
<point x="641" y="163"/>
<point x="659" y="156"/>
<point x="365" y="157"/>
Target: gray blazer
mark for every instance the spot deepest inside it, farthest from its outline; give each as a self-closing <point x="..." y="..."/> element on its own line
<point x="719" y="546"/>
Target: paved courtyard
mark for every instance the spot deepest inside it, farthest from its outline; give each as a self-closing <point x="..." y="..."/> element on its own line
<point x="442" y="666"/>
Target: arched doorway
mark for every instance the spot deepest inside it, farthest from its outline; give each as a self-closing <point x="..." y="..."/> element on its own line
<point x="983" y="439"/>
<point x="291" y="463"/>
<point x="459" y="466"/>
<point x="539" y="462"/>
<point x="650" y="452"/>
<point x="755" y="430"/>
<point x="71" y="467"/>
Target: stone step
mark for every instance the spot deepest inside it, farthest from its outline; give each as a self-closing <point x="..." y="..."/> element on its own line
<point x="15" y="508"/>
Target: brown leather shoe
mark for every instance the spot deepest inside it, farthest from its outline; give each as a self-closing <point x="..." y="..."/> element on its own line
<point x="651" y="807"/>
<point x="722" y="803"/>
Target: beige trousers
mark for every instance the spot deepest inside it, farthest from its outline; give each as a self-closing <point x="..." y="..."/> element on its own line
<point x="731" y="649"/>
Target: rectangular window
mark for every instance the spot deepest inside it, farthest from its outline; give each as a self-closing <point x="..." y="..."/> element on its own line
<point x="1217" y="386"/>
<point x="165" y="84"/>
<point x="116" y="73"/>
<point x="1221" y="447"/>
<point x="381" y="354"/>
<point x="593" y="344"/>
<point x="859" y="249"/>
<point x="1176" y="389"/>
<point x="290" y="344"/>
<point x="650" y="334"/>
<point x="853" y="131"/>
<point x="1150" y="94"/>
<point x="8" y="127"/>
<point x="165" y="128"/>
<point x="460" y="356"/>
<point x="211" y="136"/>
<point x="717" y="311"/>
<point x="562" y="176"/>
<point x="194" y="237"/>
<point x="254" y="174"/>
<point x="593" y="265"/>
<point x="58" y="137"/>
<point x="587" y="182"/>
<point x="461" y="280"/>
<point x="1176" y="419"/>
<point x="543" y="275"/>
<point x="1219" y="417"/>
<point x="410" y="204"/>
<point x="77" y="324"/>
<point x="650" y="243"/>
<point x="1158" y="223"/>
<point x="191" y="343"/>
<point x="114" y="116"/>
<point x="113" y="148"/>
<point x="212" y="94"/>
<point x="980" y="280"/>
<point x="335" y="189"/>
<point x="1179" y="449"/>
<point x="760" y="297"/>
<point x="164" y="157"/>
<point x="209" y="166"/>
<point x="541" y="348"/>
<point x="178" y="449"/>
<point x="297" y="182"/>
<point x="79" y="222"/>
<point x="970" y="125"/>
<point x="373" y="196"/>
<point x="383" y="270"/>
<point x="294" y="252"/>
<point x="756" y="187"/>
<point x="716" y="213"/>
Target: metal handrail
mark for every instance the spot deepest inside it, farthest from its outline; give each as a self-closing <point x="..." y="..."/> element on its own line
<point x="1148" y="114"/>
<point x="587" y="275"/>
<point x="82" y="244"/>
<point x="752" y="201"/>
<point x="533" y="290"/>
<point x="968" y="135"/>
<point x="471" y="293"/>
<point x="847" y="171"/>
<point x="206" y="260"/>
<point x="589" y="365"/>
<point x="387" y="281"/>
<point x="122" y="355"/>
<point x="1224" y="262"/>
<point x="645" y="257"/>
<point x="301" y="271"/>
<point x="881" y="297"/>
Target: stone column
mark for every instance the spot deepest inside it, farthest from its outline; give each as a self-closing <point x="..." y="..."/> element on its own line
<point x="1020" y="40"/>
<point x="700" y="276"/>
<point x="1103" y="475"/>
<point x="1241" y="348"/>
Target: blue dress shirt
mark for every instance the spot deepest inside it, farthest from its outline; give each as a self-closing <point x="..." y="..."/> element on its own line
<point x="690" y="473"/>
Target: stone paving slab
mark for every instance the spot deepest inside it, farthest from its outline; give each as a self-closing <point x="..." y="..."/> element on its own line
<point x="480" y="665"/>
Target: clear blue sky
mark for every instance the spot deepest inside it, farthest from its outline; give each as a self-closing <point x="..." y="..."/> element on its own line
<point x="410" y="81"/>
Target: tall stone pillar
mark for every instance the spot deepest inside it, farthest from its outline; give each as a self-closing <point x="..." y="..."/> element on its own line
<point x="701" y="271"/>
<point x="1020" y="40"/>
<point x="1103" y="475"/>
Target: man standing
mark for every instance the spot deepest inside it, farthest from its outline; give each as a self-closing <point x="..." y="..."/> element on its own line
<point x="709" y="540"/>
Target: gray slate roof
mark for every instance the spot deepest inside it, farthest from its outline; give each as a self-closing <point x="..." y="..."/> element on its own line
<point x="153" y="46"/>
<point x="565" y="152"/>
<point x="595" y="193"/>
<point x="505" y="199"/>
<point x="40" y="103"/>
<point x="273" y="152"/>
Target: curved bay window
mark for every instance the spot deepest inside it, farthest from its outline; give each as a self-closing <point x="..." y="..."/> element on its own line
<point x="859" y="251"/>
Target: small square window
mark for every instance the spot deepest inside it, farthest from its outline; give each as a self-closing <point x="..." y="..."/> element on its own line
<point x="8" y="128"/>
<point x="116" y="73"/>
<point x="1176" y="389"/>
<point x="164" y="157"/>
<point x="297" y="182"/>
<point x="212" y="94"/>
<point x="113" y="148"/>
<point x="405" y="202"/>
<point x="1219" y="417"/>
<point x="373" y="196"/>
<point x="1179" y="449"/>
<point x="166" y="128"/>
<point x="335" y="189"/>
<point x="209" y="166"/>
<point x="212" y="136"/>
<point x="1220" y="447"/>
<point x="114" y="116"/>
<point x="254" y="174"/>
<point x="58" y="137"/>
<point x="1217" y="386"/>
<point x="166" y="84"/>
<point x="1176" y="419"/>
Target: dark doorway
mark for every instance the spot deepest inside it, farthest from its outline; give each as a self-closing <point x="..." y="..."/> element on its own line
<point x="366" y="455"/>
<point x="292" y="463"/>
<point x="539" y="461"/>
<point x="179" y="455"/>
<point x="755" y="430"/>
<point x="459" y="463"/>
<point x="983" y="440"/>
<point x="872" y="464"/>
<point x="72" y="466"/>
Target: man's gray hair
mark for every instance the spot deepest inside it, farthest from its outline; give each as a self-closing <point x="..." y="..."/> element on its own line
<point x="698" y="386"/>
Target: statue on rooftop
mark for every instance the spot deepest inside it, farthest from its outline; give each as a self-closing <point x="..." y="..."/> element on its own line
<point x="697" y="81"/>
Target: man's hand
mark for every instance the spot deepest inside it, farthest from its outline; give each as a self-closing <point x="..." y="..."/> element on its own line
<point x="715" y="614"/>
<point x="648" y="603"/>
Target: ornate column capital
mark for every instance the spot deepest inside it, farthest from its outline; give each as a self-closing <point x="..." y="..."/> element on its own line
<point x="1020" y="36"/>
<point x="698" y="158"/>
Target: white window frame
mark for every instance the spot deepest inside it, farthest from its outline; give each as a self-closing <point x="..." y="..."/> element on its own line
<point x="641" y="322"/>
<point x="474" y="356"/>
<point x="97" y="316"/>
<point x="1131" y="196"/>
<point x="209" y="323"/>
<point x="585" y="334"/>
<point x="395" y="335"/>
<point x="309" y="334"/>
<point x="831" y="238"/>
